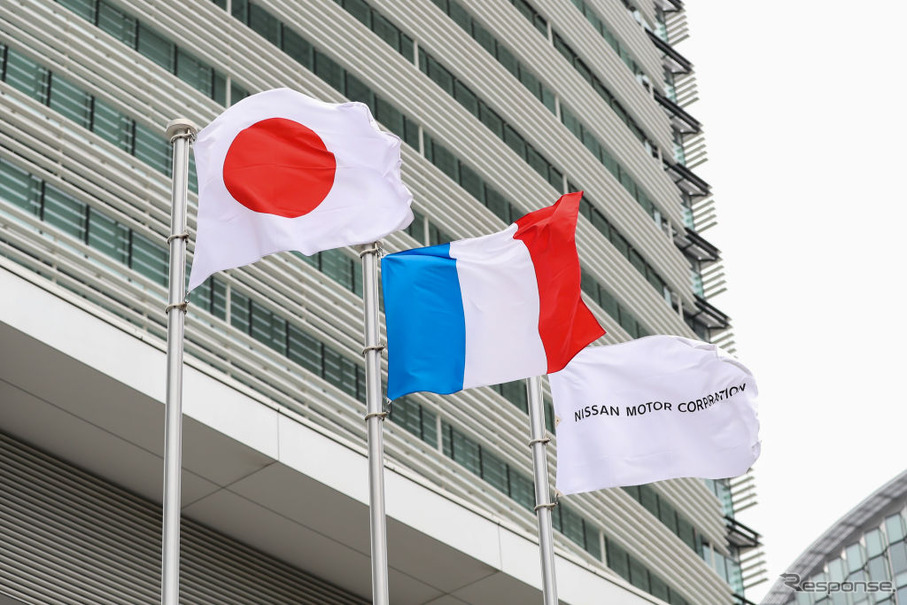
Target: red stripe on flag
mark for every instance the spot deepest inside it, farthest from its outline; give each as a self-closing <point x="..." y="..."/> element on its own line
<point x="566" y="325"/>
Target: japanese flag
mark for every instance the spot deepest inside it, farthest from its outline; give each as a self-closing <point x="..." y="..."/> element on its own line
<point x="282" y="171"/>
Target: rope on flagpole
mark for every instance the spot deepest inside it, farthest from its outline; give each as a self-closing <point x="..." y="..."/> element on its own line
<point x="374" y="249"/>
<point x="183" y="235"/>
<point x="183" y="306"/>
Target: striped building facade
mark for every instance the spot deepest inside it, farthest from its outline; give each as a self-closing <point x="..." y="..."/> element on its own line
<point x="502" y="106"/>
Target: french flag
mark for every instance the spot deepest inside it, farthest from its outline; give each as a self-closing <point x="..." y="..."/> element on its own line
<point x="487" y="310"/>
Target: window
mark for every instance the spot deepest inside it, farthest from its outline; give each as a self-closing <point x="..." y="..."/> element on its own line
<point x="439" y="74"/>
<point x="515" y="392"/>
<point x="240" y="10"/>
<point x="572" y="526"/>
<point x="267" y="328"/>
<point x="297" y="47"/>
<point x="522" y="490"/>
<point x="897" y="554"/>
<point x="649" y="499"/>
<point x="530" y="82"/>
<point x="152" y="148"/>
<point x="117" y="23"/>
<point x="65" y="213"/>
<point x="108" y="236"/>
<point x="465" y="451"/>
<point x="570" y="121"/>
<point x="360" y="10"/>
<point x="195" y="73"/>
<point x="460" y="16"/>
<point x="83" y="8"/>
<point x="445" y="160"/>
<point x="304" y="350"/>
<point x="408" y="414"/>
<point x="156" y="47"/>
<point x="639" y="575"/>
<point x="338" y="266"/>
<point x="537" y="162"/>
<point x="264" y="24"/>
<point x="618" y="560"/>
<point x="328" y="70"/>
<point x="26" y="75"/>
<point x="212" y="297"/>
<point x="484" y="38"/>
<point x="149" y="258"/>
<point x="72" y="102"/>
<point x="111" y="125"/>
<point x="497" y="204"/>
<point x="333" y="371"/>
<point x="390" y="116"/>
<point x="466" y="98"/>
<point x="878" y="569"/>
<point x="472" y="182"/>
<point x="855" y="557"/>
<point x="592" y="540"/>
<point x="491" y="119"/>
<point x="411" y="133"/>
<point x="508" y="60"/>
<point x="349" y="377"/>
<point x="894" y="526"/>
<point x="20" y="188"/>
<point x="494" y="471"/>
<point x="514" y="141"/>
<point x="874" y="543"/>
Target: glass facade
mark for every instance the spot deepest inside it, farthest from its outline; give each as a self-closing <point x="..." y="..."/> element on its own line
<point x="870" y="569"/>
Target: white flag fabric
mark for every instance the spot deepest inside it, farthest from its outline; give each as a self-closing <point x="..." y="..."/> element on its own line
<point x="282" y="171"/>
<point x="654" y="408"/>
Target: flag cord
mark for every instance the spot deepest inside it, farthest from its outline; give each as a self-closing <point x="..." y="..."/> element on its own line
<point x="183" y="235"/>
<point x="374" y="249"/>
<point x="180" y="133"/>
<point x="181" y="306"/>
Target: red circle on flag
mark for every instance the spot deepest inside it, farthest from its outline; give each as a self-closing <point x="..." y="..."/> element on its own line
<point x="278" y="166"/>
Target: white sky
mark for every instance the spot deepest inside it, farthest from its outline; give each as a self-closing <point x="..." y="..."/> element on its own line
<point x="803" y="106"/>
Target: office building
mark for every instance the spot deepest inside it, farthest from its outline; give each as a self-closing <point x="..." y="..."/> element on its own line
<point x="860" y="560"/>
<point x="502" y="106"/>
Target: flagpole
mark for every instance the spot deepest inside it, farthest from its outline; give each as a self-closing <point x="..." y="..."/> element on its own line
<point x="181" y="133"/>
<point x="374" y="418"/>
<point x="543" y="506"/>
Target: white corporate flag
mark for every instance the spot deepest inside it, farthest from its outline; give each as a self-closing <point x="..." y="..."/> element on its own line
<point x="282" y="171"/>
<point x="654" y="408"/>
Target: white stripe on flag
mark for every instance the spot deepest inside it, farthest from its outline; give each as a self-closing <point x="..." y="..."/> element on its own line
<point x="500" y="302"/>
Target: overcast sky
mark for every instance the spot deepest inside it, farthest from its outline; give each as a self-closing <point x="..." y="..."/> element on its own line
<point x="804" y="111"/>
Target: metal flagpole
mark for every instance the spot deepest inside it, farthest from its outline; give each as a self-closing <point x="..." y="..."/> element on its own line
<point x="374" y="418"/>
<point x="543" y="507"/>
<point x="181" y="133"/>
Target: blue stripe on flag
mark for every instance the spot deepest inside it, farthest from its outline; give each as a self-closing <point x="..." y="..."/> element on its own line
<point x="426" y="328"/>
